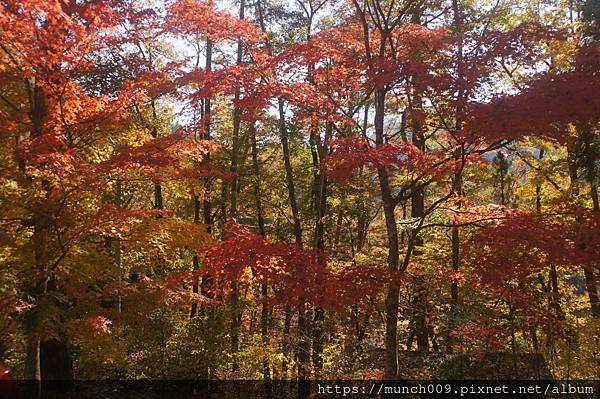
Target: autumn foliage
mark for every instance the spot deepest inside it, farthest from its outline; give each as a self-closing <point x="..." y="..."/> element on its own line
<point x="284" y="190"/>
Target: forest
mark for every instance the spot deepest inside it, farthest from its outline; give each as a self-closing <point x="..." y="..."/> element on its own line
<point x="299" y="189"/>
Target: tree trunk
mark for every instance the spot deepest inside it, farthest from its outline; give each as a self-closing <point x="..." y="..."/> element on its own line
<point x="552" y="275"/>
<point x="283" y="134"/>
<point x="116" y="244"/>
<point x="32" y="362"/>
<point x="389" y="207"/>
<point x="303" y="343"/>
<point x="206" y="205"/>
<point x="589" y="271"/>
<point x="235" y="311"/>
<point x="319" y="243"/>
<point x="56" y="362"/>
<point x="158" y="197"/>
<point x="417" y="211"/>
<point x="303" y="326"/>
<point x="592" y="289"/>
<point x="39" y="289"/>
<point x="287" y="322"/>
<point x="592" y="175"/>
<point x="37" y="114"/>
<point x="206" y="200"/>
<point x="420" y="309"/>
<point x="264" y="315"/>
<point x="195" y="259"/>
<point x="458" y="26"/>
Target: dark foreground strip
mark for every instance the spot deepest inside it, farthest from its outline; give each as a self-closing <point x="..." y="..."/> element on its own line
<point x="285" y="389"/>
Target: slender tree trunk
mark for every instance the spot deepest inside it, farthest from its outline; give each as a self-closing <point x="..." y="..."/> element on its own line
<point x="362" y="222"/>
<point x="158" y="196"/>
<point x="197" y="207"/>
<point x="420" y="309"/>
<point x="235" y="311"/>
<point x="589" y="271"/>
<point x="195" y="259"/>
<point x="201" y="285"/>
<point x="418" y="212"/>
<point x="116" y="242"/>
<point x="555" y="296"/>
<point x="32" y="362"/>
<point x="303" y="327"/>
<point x="235" y="150"/>
<point x="592" y="289"/>
<point x="339" y="220"/>
<point x="206" y="201"/>
<point x="319" y="245"/>
<point x="455" y="233"/>
<point x="264" y="315"/>
<point x="538" y="189"/>
<point x="289" y="174"/>
<point x="321" y="200"/>
<point x="264" y="329"/>
<point x="287" y="322"/>
<point x="315" y="161"/>
<point x="37" y="114"/>
<point x="392" y="296"/>
<point x="458" y="26"/>
<point x="552" y="274"/>
<point x="304" y="343"/>
<point x="592" y="169"/>
<point x="591" y="283"/>
<point x="420" y="304"/>
<point x="389" y="207"/>
<point x="455" y="264"/>
<point x="206" y="204"/>
<point x="235" y="321"/>
<point x="283" y="135"/>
